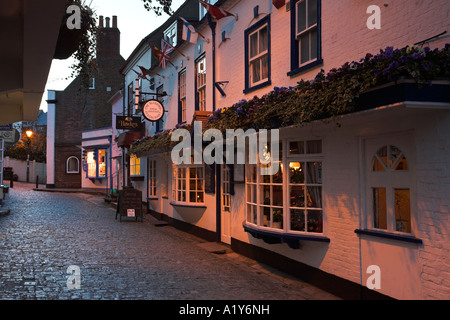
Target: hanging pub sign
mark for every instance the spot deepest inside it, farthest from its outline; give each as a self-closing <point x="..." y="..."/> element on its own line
<point x="153" y="110"/>
<point x="128" y="123"/>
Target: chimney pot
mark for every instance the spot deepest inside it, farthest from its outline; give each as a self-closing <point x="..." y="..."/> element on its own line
<point x="100" y="23"/>
<point x="114" y="21"/>
<point x="107" y="22"/>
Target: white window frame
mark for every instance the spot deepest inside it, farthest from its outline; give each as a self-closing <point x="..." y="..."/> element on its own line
<point x="182" y="89"/>
<point x="259" y="56"/>
<point x="390" y="180"/>
<point x="185" y="188"/>
<point x="78" y="165"/>
<point x="226" y="183"/>
<point x="255" y="205"/>
<point x="170" y="34"/>
<point x="308" y="30"/>
<point x="200" y="79"/>
<point x="152" y="181"/>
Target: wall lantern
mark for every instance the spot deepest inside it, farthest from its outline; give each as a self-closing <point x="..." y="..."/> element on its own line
<point x="278" y="3"/>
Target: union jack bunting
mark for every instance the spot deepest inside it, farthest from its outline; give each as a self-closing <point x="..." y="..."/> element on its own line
<point x="165" y="53"/>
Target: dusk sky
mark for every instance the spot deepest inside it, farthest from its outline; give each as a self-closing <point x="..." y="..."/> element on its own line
<point x="134" y="22"/>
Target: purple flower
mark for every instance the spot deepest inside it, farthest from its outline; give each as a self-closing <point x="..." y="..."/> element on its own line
<point x="417" y="55"/>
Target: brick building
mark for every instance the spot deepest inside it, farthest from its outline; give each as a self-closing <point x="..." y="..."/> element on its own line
<point x="78" y="109"/>
<point x="363" y="191"/>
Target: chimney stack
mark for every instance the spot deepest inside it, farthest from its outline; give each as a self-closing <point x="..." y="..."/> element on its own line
<point x="114" y="22"/>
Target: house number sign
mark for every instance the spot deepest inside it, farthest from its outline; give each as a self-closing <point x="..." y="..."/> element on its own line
<point x="153" y="110"/>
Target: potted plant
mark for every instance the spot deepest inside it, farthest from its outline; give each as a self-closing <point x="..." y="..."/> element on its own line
<point x="277" y="216"/>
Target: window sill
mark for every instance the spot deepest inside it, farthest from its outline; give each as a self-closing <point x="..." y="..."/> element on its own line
<point x="137" y="178"/>
<point x="272" y="237"/>
<point x="153" y="198"/>
<point x="258" y="86"/>
<point x="389" y="235"/>
<point x="187" y="205"/>
<point x="305" y="68"/>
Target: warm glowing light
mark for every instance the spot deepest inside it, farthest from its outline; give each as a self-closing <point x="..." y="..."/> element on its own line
<point x="294" y="165"/>
<point x="29" y="133"/>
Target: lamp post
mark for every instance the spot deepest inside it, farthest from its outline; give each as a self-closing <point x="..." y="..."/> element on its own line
<point x="29" y="134"/>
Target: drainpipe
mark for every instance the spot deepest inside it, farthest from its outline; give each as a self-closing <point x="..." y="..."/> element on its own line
<point x="212" y="24"/>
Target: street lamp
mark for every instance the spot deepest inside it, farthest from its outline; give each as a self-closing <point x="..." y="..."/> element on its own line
<point x="29" y="134"/>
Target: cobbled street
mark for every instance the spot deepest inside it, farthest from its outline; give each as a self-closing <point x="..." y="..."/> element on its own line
<point x="46" y="232"/>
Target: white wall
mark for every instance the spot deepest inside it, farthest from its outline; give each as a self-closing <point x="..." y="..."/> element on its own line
<point x="36" y="169"/>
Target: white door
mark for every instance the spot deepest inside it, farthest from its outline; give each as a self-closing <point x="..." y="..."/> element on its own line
<point x="226" y="206"/>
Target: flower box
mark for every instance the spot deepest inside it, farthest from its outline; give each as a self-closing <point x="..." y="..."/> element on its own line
<point x="404" y="90"/>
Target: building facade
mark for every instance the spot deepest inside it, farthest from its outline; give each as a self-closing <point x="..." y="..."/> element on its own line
<point x="359" y="202"/>
<point x="79" y="108"/>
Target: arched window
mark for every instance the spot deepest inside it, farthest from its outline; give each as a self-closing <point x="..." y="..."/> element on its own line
<point x="390" y="190"/>
<point x="73" y="165"/>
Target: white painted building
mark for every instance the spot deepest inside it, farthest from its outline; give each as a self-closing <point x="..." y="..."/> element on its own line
<point x="369" y="194"/>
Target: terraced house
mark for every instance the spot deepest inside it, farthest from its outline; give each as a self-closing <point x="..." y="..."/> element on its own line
<point x="359" y="205"/>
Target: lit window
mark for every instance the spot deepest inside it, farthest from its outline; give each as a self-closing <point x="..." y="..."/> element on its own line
<point x="292" y="200"/>
<point x="390" y="192"/>
<point x="92" y="164"/>
<point x="188" y="184"/>
<point x="135" y="165"/>
<point x="96" y="163"/>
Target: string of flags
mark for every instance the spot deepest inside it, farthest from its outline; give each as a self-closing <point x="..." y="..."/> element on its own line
<point x="189" y="34"/>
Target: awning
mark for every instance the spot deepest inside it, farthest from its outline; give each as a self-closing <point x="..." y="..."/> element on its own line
<point x="126" y="138"/>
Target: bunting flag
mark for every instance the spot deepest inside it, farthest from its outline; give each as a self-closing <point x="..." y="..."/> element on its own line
<point x="216" y="12"/>
<point x="156" y="52"/>
<point x="189" y="32"/>
<point x="165" y="53"/>
<point x="146" y="72"/>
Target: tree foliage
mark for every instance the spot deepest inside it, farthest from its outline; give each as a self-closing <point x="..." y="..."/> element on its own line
<point x="84" y="64"/>
<point x="158" y="6"/>
<point x="38" y="145"/>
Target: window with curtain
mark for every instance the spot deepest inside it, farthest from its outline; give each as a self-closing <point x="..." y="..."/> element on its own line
<point x="291" y="199"/>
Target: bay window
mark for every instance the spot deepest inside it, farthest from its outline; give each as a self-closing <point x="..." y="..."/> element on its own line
<point x="291" y="199"/>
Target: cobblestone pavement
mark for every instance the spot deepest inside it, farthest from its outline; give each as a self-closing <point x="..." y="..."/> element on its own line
<point x="45" y="233"/>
